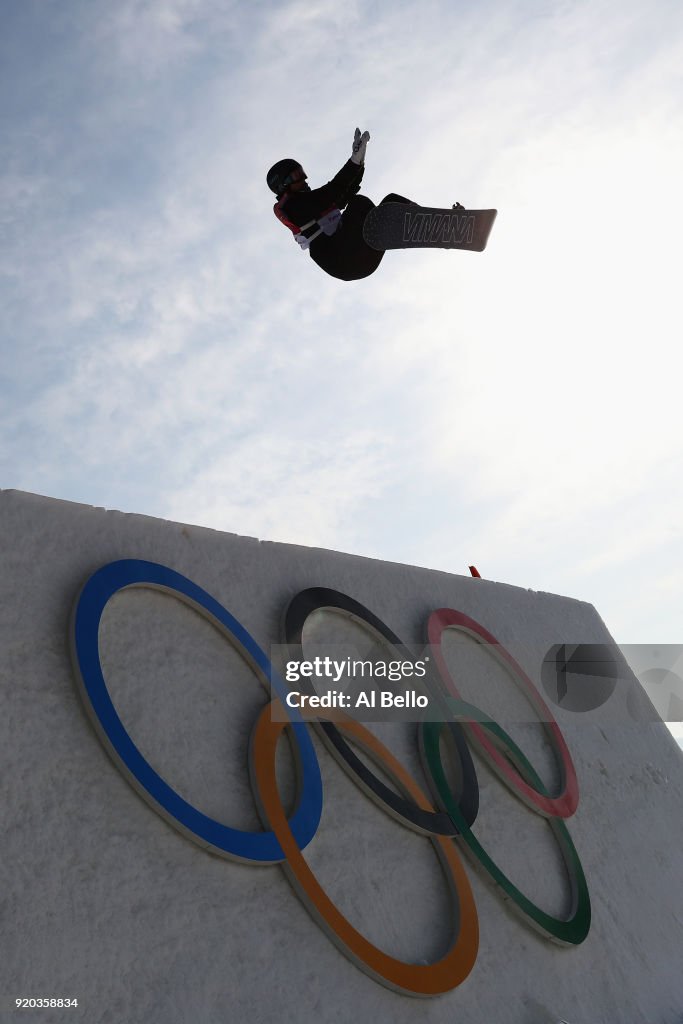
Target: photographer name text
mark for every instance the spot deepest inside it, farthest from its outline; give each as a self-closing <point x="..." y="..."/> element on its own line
<point x="364" y="699"/>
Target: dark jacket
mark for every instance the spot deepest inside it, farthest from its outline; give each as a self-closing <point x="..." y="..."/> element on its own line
<point x="302" y="207"/>
<point x="343" y="254"/>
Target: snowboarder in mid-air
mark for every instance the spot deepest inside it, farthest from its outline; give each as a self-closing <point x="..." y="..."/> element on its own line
<point x="334" y="239"/>
<point x="347" y="235"/>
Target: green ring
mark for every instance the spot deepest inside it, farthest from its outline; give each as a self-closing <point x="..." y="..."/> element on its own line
<point x="568" y="932"/>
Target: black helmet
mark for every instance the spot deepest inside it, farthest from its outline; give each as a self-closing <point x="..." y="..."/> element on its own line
<point x="284" y="173"/>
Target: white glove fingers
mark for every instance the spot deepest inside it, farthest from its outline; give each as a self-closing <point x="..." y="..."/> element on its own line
<point x="360" y="141"/>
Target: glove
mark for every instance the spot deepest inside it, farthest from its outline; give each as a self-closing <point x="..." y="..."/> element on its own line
<point x="358" y="148"/>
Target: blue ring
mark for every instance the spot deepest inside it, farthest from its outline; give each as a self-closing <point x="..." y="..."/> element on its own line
<point x="259" y="847"/>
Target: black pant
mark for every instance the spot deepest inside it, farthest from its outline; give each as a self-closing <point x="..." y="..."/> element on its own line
<point x="345" y="254"/>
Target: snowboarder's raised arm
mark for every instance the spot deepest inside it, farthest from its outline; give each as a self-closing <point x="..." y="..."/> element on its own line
<point x="344" y="185"/>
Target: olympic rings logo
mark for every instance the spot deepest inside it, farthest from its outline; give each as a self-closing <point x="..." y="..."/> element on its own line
<point x="448" y="825"/>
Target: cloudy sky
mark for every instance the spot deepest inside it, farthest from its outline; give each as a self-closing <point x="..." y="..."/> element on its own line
<point x="167" y="349"/>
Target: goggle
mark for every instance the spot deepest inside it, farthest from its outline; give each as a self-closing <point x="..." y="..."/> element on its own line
<point x="298" y="174"/>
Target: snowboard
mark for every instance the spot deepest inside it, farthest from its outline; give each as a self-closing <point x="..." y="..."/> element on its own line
<point x="399" y="226"/>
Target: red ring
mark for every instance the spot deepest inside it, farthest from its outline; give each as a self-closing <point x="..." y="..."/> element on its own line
<point x="565" y="803"/>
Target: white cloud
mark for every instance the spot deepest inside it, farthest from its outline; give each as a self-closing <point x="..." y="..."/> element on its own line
<point x="172" y="351"/>
<point x="304" y="491"/>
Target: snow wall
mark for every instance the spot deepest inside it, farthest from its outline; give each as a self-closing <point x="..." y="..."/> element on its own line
<point x="109" y="902"/>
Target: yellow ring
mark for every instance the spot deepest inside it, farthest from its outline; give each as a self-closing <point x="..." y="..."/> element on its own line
<point x="412" y="979"/>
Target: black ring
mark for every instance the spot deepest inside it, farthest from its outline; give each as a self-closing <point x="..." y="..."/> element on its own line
<point x="430" y="822"/>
